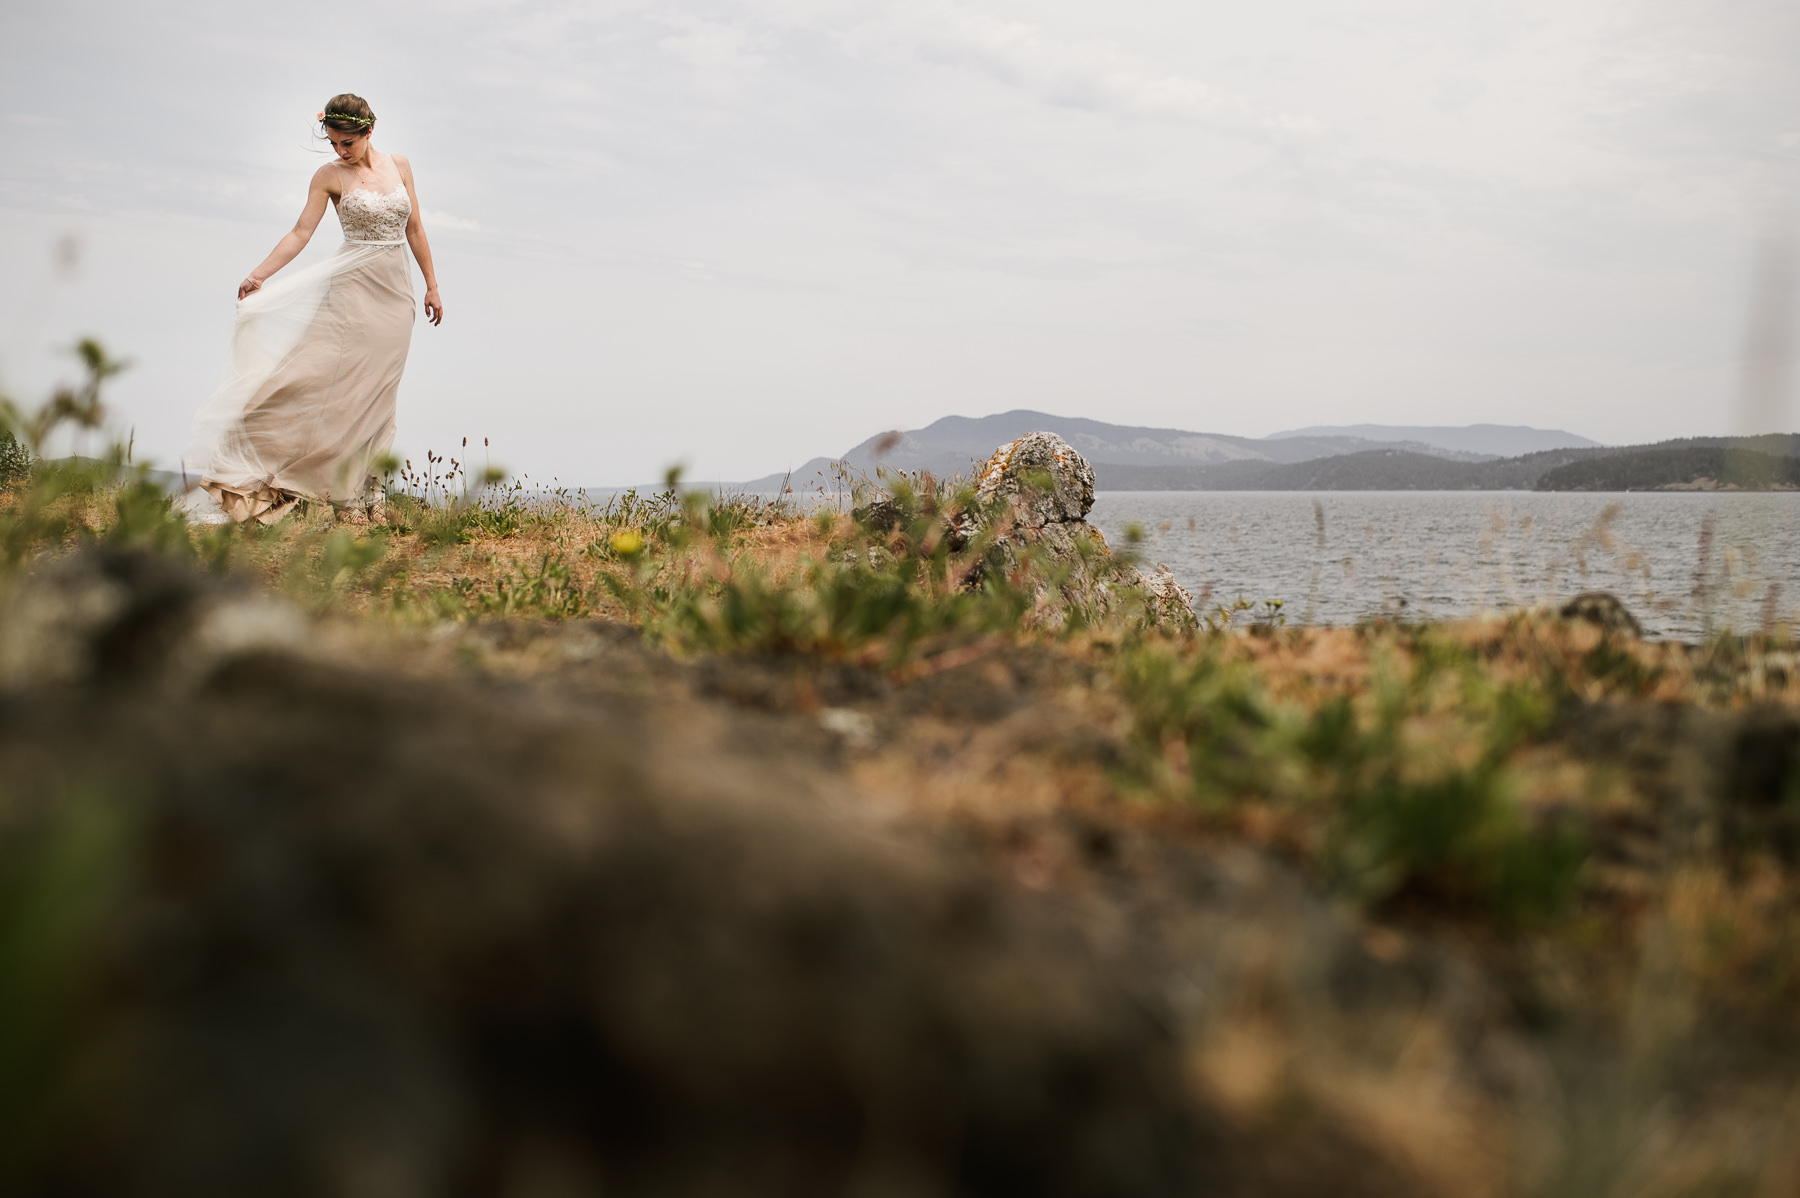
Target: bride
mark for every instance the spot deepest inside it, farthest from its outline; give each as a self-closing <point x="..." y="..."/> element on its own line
<point x="307" y="405"/>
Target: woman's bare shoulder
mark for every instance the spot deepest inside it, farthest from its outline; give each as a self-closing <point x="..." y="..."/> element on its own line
<point x="403" y="164"/>
<point x="329" y="178"/>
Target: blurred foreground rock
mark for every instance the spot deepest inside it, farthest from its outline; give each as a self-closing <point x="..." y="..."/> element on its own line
<point x="294" y="927"/>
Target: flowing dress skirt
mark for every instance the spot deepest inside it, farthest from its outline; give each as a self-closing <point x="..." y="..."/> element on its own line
<point x="307" y="402"/>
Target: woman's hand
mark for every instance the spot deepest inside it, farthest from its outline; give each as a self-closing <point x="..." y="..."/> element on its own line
<point x="434" y="307"/>
<point x="318" y="196"/>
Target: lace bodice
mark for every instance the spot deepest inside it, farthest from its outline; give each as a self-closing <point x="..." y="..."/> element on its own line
<point x="374" y="216"/>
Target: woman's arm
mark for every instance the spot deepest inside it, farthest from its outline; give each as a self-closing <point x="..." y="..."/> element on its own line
<point x="317" y="196"/>
<point x="415" y="237"/>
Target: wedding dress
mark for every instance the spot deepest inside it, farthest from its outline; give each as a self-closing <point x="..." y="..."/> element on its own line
<point x="307" y="402"/>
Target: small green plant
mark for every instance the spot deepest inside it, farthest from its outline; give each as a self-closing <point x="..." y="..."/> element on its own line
<point x="1619" y="670"/>
<point x="1199" y="720"/>
<point x="729" y="514"/>
<point x="1453" y="836"/>
<point x="55" y="502"/>
<point x="445" y="505"/>
<point x="344" y="558"/>
<point x="1444" y="822"/>
<point x="143" y="517"/>
<point x="15" y="460"/>
<point x="549" y="592"/>
<point x="1408" y="784"/>
<point x="459" y="524"/>
<point x="651" y="515"/>
<point x="1223" y="614"/>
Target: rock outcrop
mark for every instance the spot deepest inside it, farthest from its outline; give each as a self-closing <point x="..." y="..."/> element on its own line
<point x="1034" y="495"/>
<point x="1604" y="610"/>
<point x="1043" y="479"/>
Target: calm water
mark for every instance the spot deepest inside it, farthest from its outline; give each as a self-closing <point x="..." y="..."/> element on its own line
<point x="1438" y="554"/>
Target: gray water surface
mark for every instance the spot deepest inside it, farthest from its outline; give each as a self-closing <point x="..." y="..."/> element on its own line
<point x="1683" y="562"/>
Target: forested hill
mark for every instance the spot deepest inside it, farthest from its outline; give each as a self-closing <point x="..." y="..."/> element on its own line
<point x="1695" y="463"/>
<point x="1698" y="468"/>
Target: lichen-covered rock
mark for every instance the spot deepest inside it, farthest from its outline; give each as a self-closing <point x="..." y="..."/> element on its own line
<point x="1017" y="471"/>
<point x="1035" y="494"/>
<point x="884" y="513"/>
<point x="1166" y="601"/>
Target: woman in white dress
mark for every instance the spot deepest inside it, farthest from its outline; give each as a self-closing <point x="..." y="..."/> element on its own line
<point x="307" y="405"/>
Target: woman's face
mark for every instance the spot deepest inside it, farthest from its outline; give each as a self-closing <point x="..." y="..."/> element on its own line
<point x="350" y="147"/>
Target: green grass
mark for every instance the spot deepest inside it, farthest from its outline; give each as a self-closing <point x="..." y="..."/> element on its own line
<point x="884" y="592"/>
<point x="550" y="592"/>
<point x="1405" y="788"/>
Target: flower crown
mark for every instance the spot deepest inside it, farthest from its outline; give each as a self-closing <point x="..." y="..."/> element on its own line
<point x="344" y="116"/>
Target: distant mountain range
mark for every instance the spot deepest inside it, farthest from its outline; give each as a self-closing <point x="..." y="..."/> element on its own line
<point x="1361" y="457"/>
<point x="1486" y="440"/>
<point x="1127" y="457"/>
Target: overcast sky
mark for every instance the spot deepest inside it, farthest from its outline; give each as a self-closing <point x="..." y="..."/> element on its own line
<point x="738" y="235"/>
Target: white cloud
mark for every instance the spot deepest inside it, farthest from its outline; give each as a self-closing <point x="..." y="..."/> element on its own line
<point x="1095" y="75"/>
<point x="443" y="220"/>
<point x="711" y="46"/>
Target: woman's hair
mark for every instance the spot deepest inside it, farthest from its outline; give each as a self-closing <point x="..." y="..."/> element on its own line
<point x="348" y="114"/>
